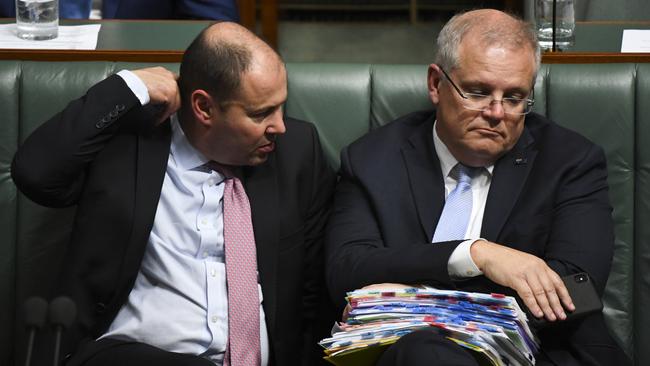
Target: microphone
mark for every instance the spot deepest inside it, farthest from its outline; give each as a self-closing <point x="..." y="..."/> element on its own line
<point x="35" y="314"/>
<point x="62" y="313"/>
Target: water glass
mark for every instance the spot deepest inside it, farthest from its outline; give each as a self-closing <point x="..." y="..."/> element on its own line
<point x="37" y="19"/>
<point x="563" y="12"/>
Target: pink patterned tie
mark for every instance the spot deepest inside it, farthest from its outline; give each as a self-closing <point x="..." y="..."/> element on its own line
<point x="241" y="275"/>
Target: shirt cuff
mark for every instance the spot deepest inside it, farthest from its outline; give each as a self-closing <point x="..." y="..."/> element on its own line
<point x="460" y="263"/>
<point x="136" y="85"/>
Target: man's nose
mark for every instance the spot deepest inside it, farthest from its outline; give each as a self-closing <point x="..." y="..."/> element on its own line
<point x="495" y="110"/>
<point x="276" y="125"/>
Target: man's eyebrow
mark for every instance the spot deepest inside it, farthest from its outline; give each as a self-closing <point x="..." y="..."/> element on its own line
<point x="517" y="90"/>
<point x="475" y="83"/>
<point x="260" y="110"/>
<point x="483" y="85"/>
<point x="263" y="109"/>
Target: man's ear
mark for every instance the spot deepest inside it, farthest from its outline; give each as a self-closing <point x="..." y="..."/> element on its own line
<point x="203" y="107"/>
<point x="434" y="77"/>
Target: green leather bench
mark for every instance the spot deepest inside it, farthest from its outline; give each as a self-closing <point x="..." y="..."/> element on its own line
<point x="609" y="103"/>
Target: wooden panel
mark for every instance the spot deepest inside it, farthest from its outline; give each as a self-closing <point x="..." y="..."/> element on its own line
<point x="270" y="22"/>
<point x="593" y="57"/>
<point x="247" y="13"/>
<point x="176" y="56"/>
<point x="93" y="55"/>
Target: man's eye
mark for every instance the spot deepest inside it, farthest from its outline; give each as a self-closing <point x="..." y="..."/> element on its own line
<point x="260" y="115"/>
<point x="514" y="96"/>
<point x="479" y="93"/>
<point x="513" y="101"/>
<point x="477" y="96"/>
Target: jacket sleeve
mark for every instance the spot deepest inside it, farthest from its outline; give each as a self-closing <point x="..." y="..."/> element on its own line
<point x="356" y="252"/>
<point x="50" y="166"/>
<point x="318" y="312"/>
<point x="582" y="234"/>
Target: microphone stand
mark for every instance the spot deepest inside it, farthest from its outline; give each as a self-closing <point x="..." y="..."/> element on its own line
<point x="62" y="312"/>
<point x="35" y="315"/>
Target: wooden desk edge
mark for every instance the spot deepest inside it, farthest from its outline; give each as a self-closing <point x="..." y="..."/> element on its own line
<point x="91" y="55"/>
<point x="593" y="57"/>
<point x="176" y="56"/>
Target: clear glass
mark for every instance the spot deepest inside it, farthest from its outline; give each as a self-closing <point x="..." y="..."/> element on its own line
<point x="37" y="19"/>
<point x="564" y="23"/>
<point x="483" y="102"/>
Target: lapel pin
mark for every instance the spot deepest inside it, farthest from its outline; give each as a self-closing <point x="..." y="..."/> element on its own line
<point x="521" y="161"/>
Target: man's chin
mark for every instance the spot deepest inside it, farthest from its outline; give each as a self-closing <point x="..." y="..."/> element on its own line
<point x="484" y="155"/>
<point x="258" y="159"/>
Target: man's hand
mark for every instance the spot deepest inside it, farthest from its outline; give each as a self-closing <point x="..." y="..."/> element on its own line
<point x="541" y="289"/>
<point x="163" y="90"/>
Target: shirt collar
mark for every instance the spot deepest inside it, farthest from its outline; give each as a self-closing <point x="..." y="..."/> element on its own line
<point x="184" y="154"/>
<point x="447" y="160"/>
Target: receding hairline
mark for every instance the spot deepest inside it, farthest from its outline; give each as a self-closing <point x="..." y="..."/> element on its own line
<point x="488" y="23"/>
<point x="490" y="28"/>
<point x="229" y="33"/>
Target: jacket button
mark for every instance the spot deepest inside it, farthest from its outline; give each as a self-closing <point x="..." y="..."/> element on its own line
<point x="114" y="113"/>
<point x="120" y="107"/>
<point x="100" y="124"/>
<point x="100" y="308"/>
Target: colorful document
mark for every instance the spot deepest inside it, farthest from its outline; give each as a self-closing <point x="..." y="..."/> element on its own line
<point x="492" y="326"/>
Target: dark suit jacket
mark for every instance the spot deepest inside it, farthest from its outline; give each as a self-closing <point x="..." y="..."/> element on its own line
<point x="548" y="197"/>
<point x="103" y="154"/>
<point x="170" y="9"/>
<point x="143" y="9"/>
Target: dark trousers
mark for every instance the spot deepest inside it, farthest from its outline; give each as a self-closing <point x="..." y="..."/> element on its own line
<point x="426" y="347"/>
<point x="112" y="352"/>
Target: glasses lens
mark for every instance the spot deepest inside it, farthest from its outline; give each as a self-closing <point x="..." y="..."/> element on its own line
<point x="481" y="102"/>
<point x="514" y="105"/>
<point x="478" y="102"/>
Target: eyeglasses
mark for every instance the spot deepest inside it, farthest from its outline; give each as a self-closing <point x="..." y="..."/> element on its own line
<point x="483" y="102"/>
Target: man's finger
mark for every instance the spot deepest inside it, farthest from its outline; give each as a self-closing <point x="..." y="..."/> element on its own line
<point x="541" y="296"/>
<point x="562" y="291"/>
<point x="526" y="294"/>
<point x="550" y="287"/>
<point x="346" y="312"/>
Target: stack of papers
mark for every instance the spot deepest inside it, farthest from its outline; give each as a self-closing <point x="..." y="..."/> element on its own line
<point x="493" y="326"/>
<point x="75" y="37"/>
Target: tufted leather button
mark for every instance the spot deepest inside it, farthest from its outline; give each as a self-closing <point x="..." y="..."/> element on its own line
<point x="100" y="308"/>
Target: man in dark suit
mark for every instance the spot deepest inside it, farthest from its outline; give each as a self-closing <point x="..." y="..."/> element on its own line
<point x="170" y="9"/>
<point x="141" y="9"/>
<point x="155" y="187"/>
<point x="480" y="195"/>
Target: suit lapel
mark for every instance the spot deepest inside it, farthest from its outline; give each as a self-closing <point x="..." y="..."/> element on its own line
<point x="508" y="178"/>
<point x="425" y="176"/>
<point x="152" y="155"/>
<point x="262" y="189"/>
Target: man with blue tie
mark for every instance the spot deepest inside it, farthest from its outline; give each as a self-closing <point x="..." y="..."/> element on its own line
<point x="200" y="212"/>
<point x="478" y="195"/>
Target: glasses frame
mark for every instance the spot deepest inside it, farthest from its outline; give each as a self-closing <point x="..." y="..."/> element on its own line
<point x="528" y="107"/>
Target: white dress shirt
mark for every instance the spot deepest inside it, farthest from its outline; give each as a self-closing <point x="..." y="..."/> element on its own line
<point x="179" y="301"/>
<point x="460" y="263"/>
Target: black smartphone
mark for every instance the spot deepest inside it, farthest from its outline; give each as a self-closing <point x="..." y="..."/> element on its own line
<point x="584" y="296"/>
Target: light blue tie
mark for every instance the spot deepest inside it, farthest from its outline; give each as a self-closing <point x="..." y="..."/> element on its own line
<point x="458" y="207"/>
